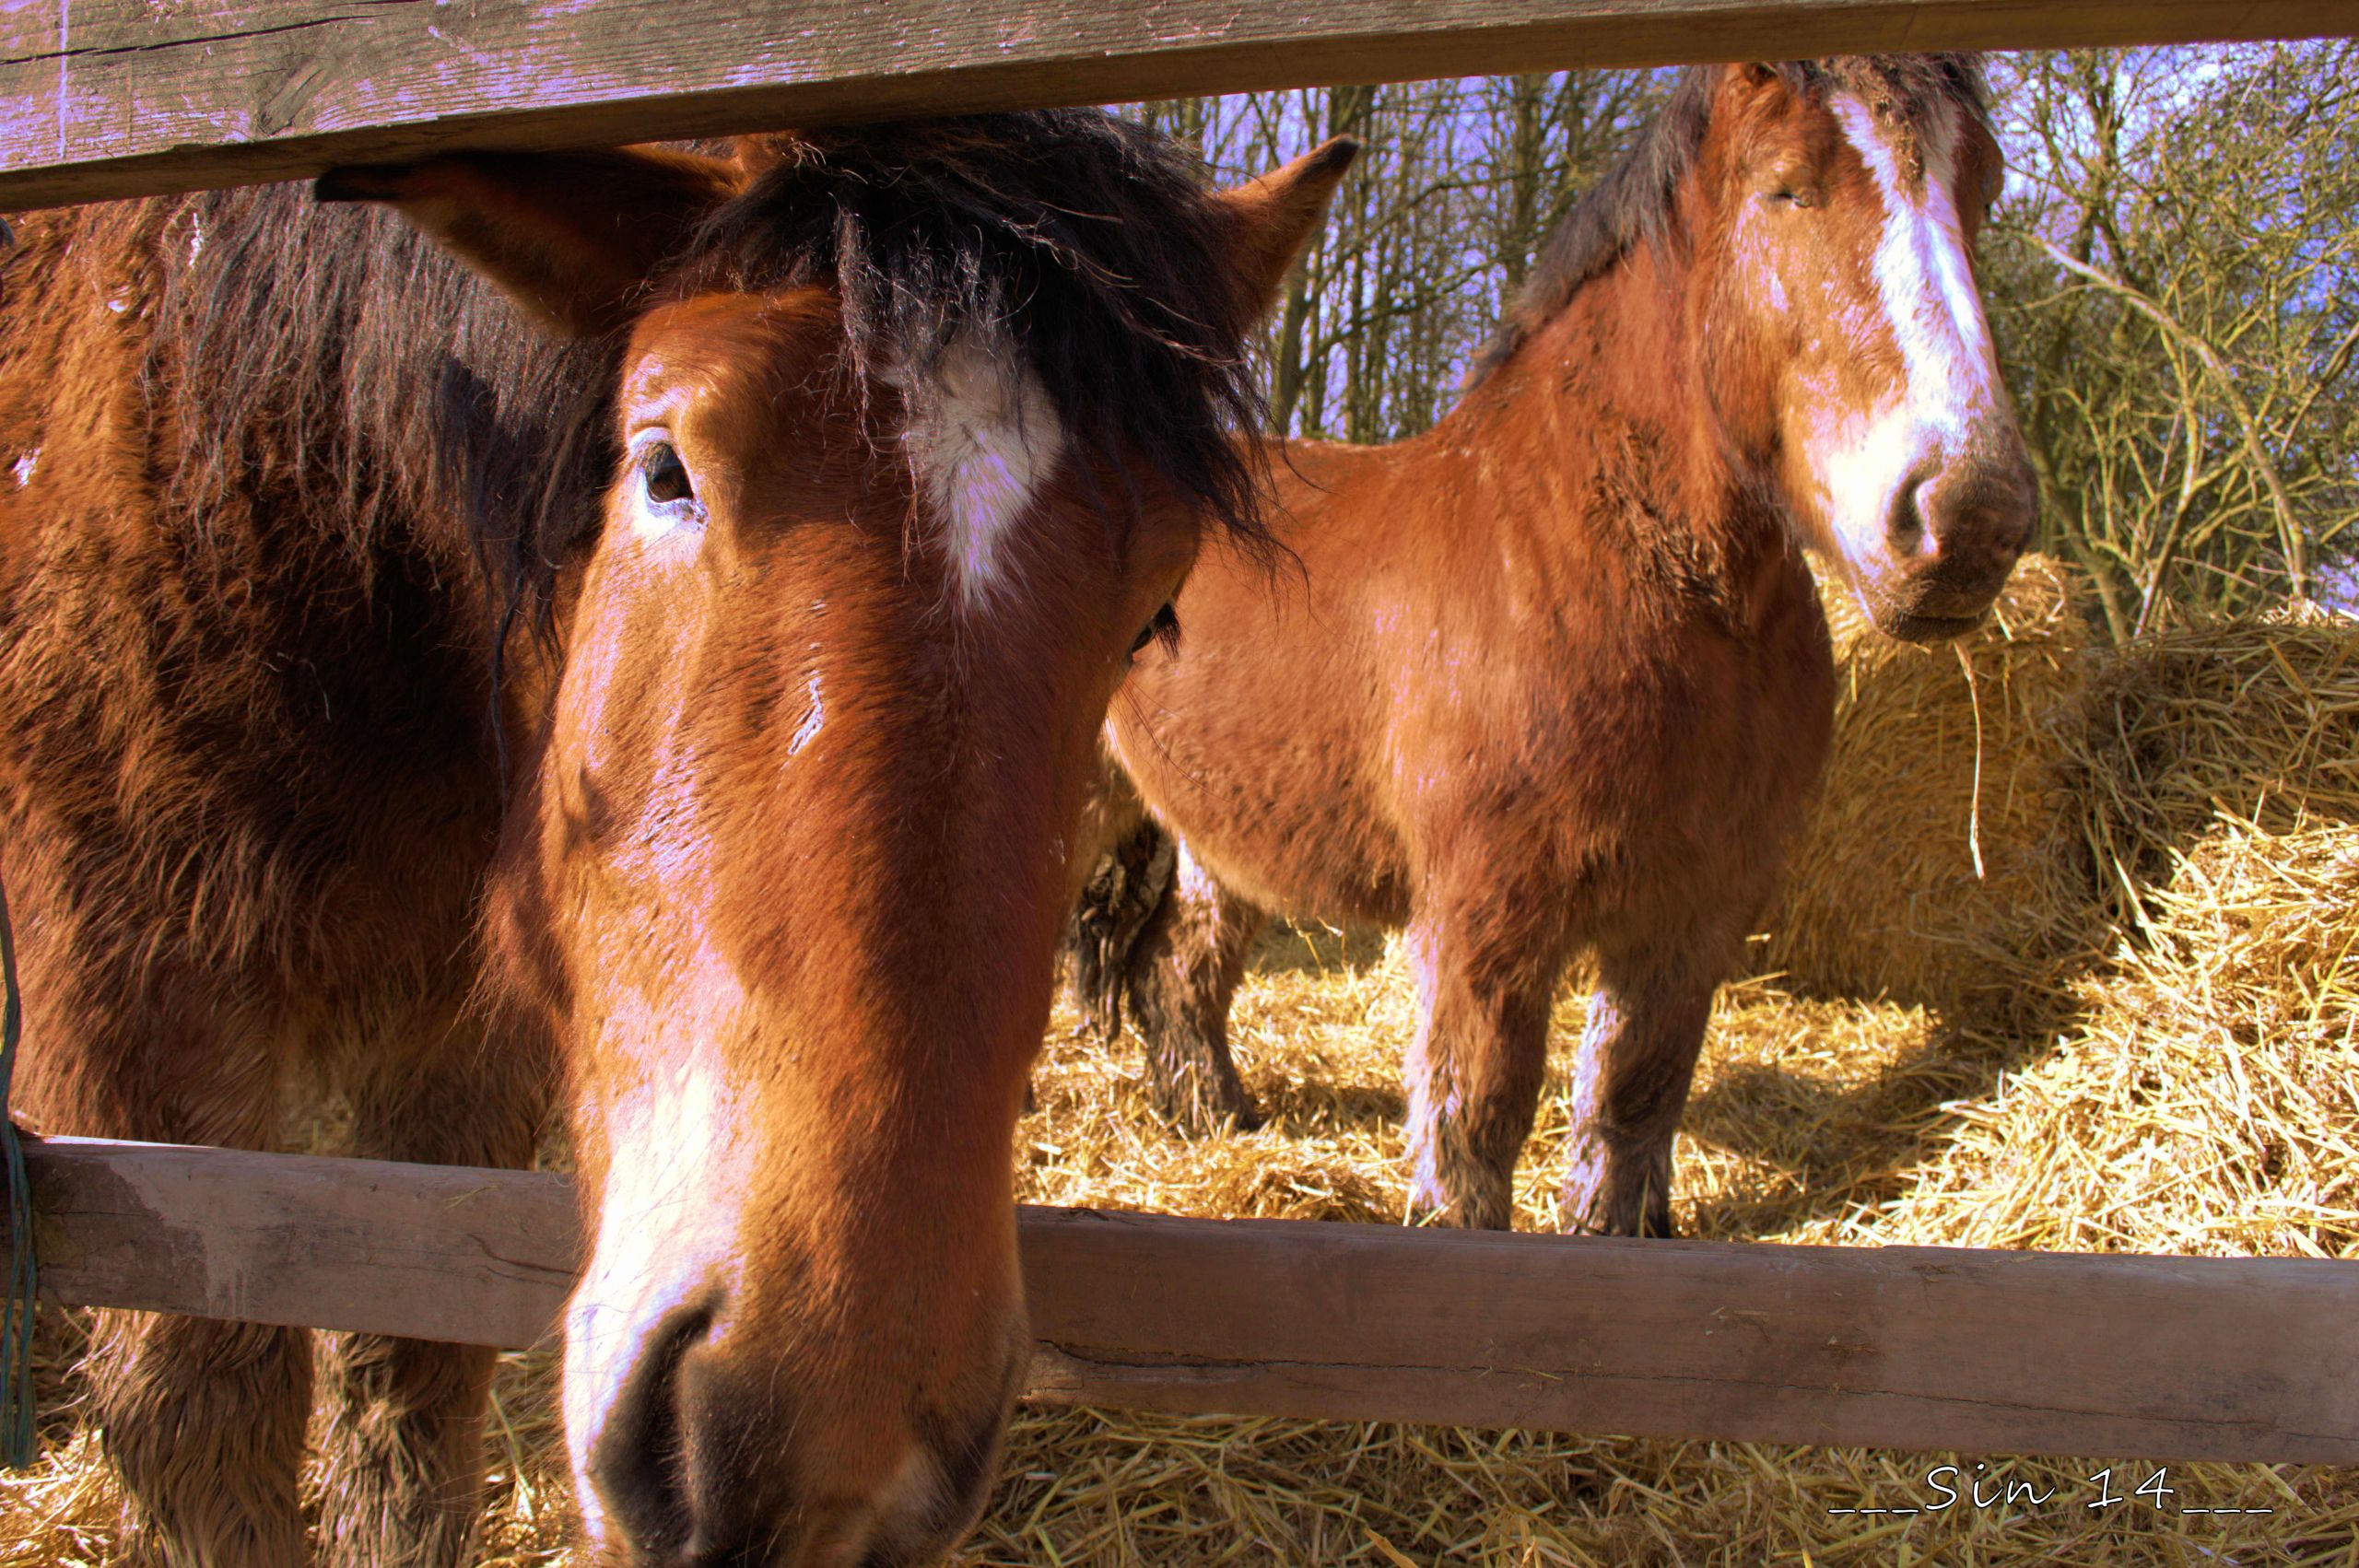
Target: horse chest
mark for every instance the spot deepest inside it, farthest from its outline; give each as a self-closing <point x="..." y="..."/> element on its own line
<point x="1681" y="735"/>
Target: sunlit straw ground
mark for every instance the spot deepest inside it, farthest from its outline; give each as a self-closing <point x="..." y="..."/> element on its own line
<point x="2133" y="1032"/>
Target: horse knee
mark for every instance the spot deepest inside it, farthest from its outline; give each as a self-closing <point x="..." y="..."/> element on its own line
<point x="1638" y="1061"/>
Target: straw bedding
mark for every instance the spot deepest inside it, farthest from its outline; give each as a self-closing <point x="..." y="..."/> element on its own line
<point x="2133" y="1032"/>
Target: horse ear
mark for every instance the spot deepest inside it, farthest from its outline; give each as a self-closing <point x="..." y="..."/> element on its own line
<point x="1274" y="217"/>
<point x="571" y="236"/>
<point x="753" y="154"/>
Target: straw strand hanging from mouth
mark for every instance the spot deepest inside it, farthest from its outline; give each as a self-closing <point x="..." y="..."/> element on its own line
<point x="1974" y="810"/>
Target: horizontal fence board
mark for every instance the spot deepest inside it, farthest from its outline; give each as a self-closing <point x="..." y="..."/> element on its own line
<point x="430" y="1252"/>
<point x="102" y="99"/>
<point x="2165" y="1358"/>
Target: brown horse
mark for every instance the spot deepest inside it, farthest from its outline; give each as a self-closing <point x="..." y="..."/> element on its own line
<point x="1558" y="683"/>
<point x="686" y="703"/>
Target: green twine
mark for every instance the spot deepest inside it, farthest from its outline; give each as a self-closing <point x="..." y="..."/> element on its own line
<point x="17" y="1322"/>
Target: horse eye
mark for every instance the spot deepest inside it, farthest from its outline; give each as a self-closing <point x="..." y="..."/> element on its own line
<point x="665" y="476"/>
<point x="1164" y="628"/>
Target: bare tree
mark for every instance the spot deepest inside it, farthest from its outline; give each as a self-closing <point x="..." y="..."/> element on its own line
<point x="2169" y="283"/>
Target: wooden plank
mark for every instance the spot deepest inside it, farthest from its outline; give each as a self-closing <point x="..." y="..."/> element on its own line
<point x="117" y="98"/>
<point x="1905" y="1347"/>
<point x="1930" y="1348"/>
<point x="430" y="1252"/>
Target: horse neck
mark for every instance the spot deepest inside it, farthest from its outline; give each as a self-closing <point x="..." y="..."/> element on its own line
<point x="1605" y="406"/>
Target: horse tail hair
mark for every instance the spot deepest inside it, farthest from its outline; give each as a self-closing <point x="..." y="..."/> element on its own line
<point x="1129" y="884"/>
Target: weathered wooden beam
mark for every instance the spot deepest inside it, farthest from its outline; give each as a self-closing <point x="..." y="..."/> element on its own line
<point x="429" y="1252"/>
<point x="2165" y="1358"/>
<point x="116" y="98"/>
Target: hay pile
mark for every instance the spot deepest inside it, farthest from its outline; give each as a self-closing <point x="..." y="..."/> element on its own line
<point x="2172" y="905"/>
<point x="2209" y="1101"/>
<point x="1937" y="809"/>
<point x="2206" y="1097"/>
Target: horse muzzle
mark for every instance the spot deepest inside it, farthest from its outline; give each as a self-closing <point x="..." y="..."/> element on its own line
<point x="700" y="1441"/>
<point x="1953" y="535"/>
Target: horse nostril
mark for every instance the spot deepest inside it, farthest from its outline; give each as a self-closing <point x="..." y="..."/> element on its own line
<point x="705" y="1446"/>
<point x="1977" y="519"/>
<point x="1907" y="525"/>
<point x="635" y="1461"/>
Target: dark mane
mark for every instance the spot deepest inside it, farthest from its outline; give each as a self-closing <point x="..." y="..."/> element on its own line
<point x="1633" y="201"/>
<point x="333" y="360"/>
<point x="1086" y="235"/>
<point x="331" y="369"/>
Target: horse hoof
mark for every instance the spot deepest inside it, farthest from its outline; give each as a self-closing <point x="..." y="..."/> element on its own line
<point x="1473" y="1212"/>
<point x="1196" y="1122"/>
<point x="1580" y="1220"/>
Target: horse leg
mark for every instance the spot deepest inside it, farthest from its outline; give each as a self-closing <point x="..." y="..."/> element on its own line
<point x="1125" y="888"/>
<point x="404" y="1441"/>
<point x="1184" y="972"/>
<point x="1485" y="976"/>
<point x="202" y="1421"/>
<point x="1645" y="1026"/>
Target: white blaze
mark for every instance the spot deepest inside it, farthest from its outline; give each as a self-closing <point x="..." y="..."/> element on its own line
<point x="674" y="1113"/>
<point x="1925" y="282"/>
<point x="982" y="438"/>
<point x="1924" y="273"/>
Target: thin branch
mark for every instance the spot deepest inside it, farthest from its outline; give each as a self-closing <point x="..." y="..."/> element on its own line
<point x="2289" y="531"/>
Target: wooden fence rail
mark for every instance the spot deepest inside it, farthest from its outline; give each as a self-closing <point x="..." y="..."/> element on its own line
<point x="102" y="99"/>
<point x="1941" y="1349"/>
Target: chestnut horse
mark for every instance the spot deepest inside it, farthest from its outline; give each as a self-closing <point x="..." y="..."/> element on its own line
<point x="1558" y="684"/>
<point x="635" y="626"/>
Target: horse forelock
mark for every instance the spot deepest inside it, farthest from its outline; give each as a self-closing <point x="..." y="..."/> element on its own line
<point x="1009" y="274"/>
<point x="1909" y="94"/>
